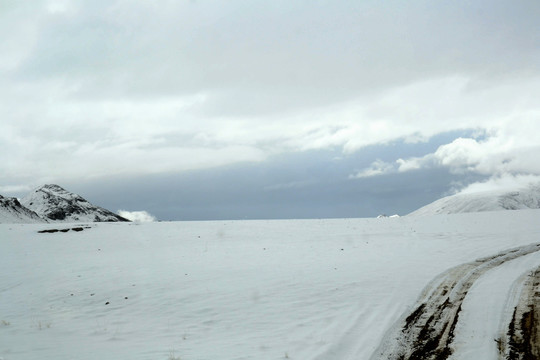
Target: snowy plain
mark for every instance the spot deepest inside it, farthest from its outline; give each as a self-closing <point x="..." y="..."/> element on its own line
<point x="268" y="289"/>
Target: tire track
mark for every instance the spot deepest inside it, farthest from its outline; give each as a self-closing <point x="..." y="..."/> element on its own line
<point x="428" y="331"/>
<point x="522" y="339"/>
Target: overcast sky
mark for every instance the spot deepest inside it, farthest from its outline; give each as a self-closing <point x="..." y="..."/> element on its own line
<point x="248" y="109"/>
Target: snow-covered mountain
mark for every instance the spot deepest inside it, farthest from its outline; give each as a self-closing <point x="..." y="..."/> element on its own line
<point x="524" y="198"/>
<point x="54" y="203"/>
<point x="11" y="211"/>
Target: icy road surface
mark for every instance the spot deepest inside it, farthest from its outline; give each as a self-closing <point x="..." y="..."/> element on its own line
<point x="296" y="289"/>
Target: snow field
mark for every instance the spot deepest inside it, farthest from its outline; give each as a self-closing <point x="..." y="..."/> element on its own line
<point x="297" y="289"/>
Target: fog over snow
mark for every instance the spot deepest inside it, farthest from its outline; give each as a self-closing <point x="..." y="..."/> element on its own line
<point x="97" y="92"/>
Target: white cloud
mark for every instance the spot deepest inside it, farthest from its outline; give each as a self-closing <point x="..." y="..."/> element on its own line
<point x="502" y="182"/>
<point x="164" y="135"/>
<point x="507" y="156"/>
<point x="131" y="88"/>
<point x="377" y="168"/>
<point x="459" y="154"/>
<point x="410" y="164"/>
<point x="511" y="146"/>
<point x="137" y="216"/>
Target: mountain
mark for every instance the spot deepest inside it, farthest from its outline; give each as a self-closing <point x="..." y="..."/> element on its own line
<point x="524" y="198"/>
<point x="11" y="211"/>
<point x="54" y="203"/>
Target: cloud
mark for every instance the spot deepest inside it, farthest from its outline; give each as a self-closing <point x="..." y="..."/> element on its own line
<point x="139" y="88"/>
<point x="377" y="168"/>
<point x="501" y="182"/>
<point x="459" y="156"/>
<point x="410" y="164"/>
<point x="506" y="156"/>
<point x="137" y="216"/>
<point x="8" y="189"/>
<point x="498" y="154"/>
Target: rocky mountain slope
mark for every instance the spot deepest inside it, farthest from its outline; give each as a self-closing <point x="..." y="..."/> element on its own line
<point x="523" y="198"/>
<point x="54" y="203"/>
<point x="11" y="211"/>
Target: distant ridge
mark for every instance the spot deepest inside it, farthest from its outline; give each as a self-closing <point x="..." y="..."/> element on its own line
<point x="523" y="198"/>
<point x="54" y="203"/>
<point x="11" y="211"/>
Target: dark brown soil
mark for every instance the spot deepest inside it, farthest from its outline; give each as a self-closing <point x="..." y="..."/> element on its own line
<point x="523" y="335"/>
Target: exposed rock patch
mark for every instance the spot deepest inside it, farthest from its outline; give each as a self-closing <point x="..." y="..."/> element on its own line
<point x="51" y="231"/>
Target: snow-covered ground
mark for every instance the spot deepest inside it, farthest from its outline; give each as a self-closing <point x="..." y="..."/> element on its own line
<point x="296" y="289"/>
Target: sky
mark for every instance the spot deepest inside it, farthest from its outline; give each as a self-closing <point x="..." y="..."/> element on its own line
<point x="196" y="110"/>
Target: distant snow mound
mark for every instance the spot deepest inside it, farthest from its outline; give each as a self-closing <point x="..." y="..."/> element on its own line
<point x="383" y="216"/>
<point x="526" y="198"/>
<point x="11" y="211"/>
<point x="54" y="203"/>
